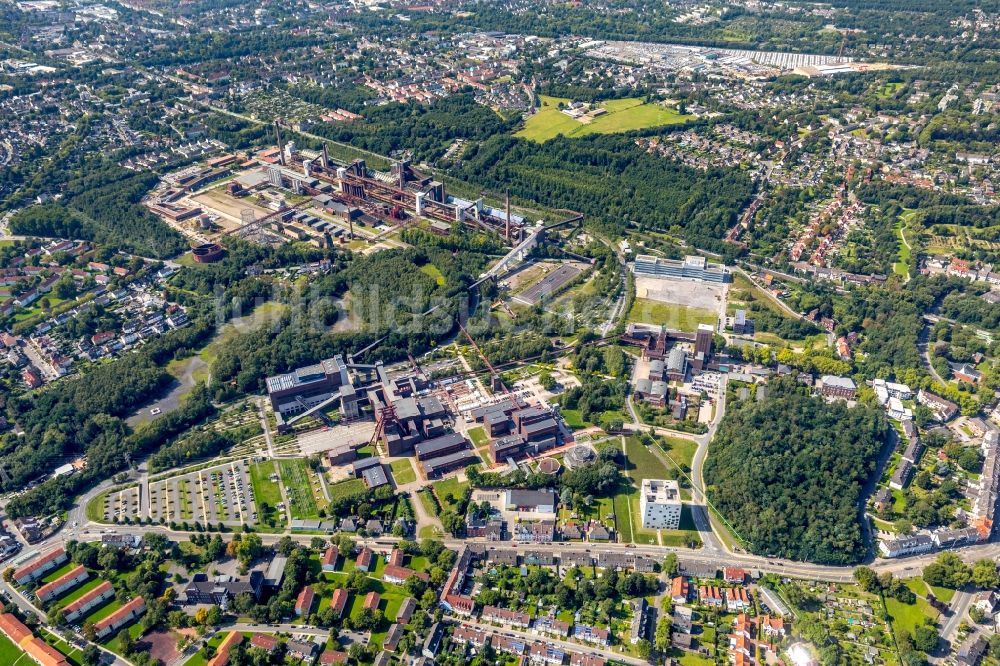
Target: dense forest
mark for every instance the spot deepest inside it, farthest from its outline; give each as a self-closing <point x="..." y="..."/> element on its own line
<point x="390" y="300"/>
<point x="101" y="203"/>
<point x="787" y="473"/>
<point x="609" y="178"/>
<point x="85" y="416"/>
<point x="424" y="129"/>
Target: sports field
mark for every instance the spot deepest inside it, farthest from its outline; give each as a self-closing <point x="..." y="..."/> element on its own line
<point x="623" y="115"/>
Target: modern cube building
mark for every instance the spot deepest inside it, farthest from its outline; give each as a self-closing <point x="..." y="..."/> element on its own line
<point x="691" y="268"/>
<point x="660" y="504"/>
<point x="304" y="387"/>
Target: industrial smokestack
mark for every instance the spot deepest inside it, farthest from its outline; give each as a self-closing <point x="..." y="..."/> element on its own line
<point x="281" y="146"/>
<point x="506" y="232"/>
<point x="326" y="157"/>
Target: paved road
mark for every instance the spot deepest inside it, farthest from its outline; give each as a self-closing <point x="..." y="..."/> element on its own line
<point x="959" y="607"/>
<point x="925" y="355"/>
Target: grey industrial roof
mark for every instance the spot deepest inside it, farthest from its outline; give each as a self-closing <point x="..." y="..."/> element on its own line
<point x="375" y="477"/>
<point x="365" y="463"/>
<point x="531" y="497"/>
<point x="428" y="448"/>
<point x="839" y="382"/>
<point x="538" y="426"/>
<point x="406" y="408"/>
<point x="448" y="460"/>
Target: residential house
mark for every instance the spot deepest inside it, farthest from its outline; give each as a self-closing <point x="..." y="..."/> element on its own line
<point x="304" y="602"/>
<point x="121" y="617"/>
<point x="504" y="616"/>
<point x="680" y="590"/>
<point x="709" y="595"/>
<point x="330" y="557"/>
<point x="591" y="634"/>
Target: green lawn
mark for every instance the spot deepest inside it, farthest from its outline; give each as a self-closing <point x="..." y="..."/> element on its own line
<point x="198" y="659"/>
<point x="56" y="573"/>
<point x="134" y="630"/>
<point x="479" y="437"/>
<point x="623" y="115"/>
<point x="622" y="507"/>
<point x="73" y="655"/>
<point x="79" y="592"/>
<point x="907" y="617"/>
<point x="449" y="487"/>
<point x="403" y="472"/>
<point x="643" y="463"/>
<point x="573" y="418"/>
<point x="346" y="488"/>
<point x="685" y="658"/>
<point x="102" y="611"/>
<point x="95" y="507"/>
<point x="681" y="450"/>
<point x="942" y="593"/>
<point x="295" y="475"/>
<point x="434" y="272"/>
<point x="266" y="492"/>
<point x="9" y="652"/>
<point x="671" y="315"/>
<point x="424" y="497"/>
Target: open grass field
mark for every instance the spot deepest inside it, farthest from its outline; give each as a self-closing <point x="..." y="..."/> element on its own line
<point x="680" y="450"/>
<point x="102" y="611"/>
<point x="449" y="491"/>
<point x="95" y="507"/>
<point x="346" y="488"/>
<point x="403" y="472"/>
<point x="479" y="437"/>
<point x="11" y="653"/>
<point x="671" y="315"/>
<point x="434" y="272"/>
<point x="623" y="115"/>
<point x="134" y="630"/>
<point x="643" y="463"/>
<point x="942" y="593"/>
<point x="907" y="617"/>
<point x="623" y="514"/>
<point x="266" y="492"/>
<point x="573" y="418"/>
<point x="302" y="491"/>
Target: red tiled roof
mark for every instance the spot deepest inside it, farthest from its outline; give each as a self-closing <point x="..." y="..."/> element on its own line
<point x="31" y="567"/>
<point x="13" y="628"/>
<point x="112" y="619"/>
<point x="88" y="597"/>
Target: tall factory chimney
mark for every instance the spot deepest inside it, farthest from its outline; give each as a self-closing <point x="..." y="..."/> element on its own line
<point x="326" y="157"/>
<point x="506" y="232"/>
<point x="281" y="146"/>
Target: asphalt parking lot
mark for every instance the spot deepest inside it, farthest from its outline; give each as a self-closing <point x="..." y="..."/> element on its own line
<point x="217" y="494"/>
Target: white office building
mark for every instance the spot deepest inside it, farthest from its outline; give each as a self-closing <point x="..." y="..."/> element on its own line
<point x="660" y="504"/>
